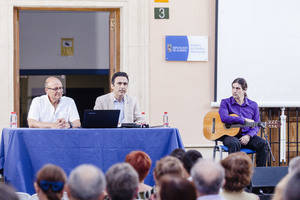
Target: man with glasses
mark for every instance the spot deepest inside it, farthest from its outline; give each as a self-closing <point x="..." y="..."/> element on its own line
<point x="119" y="100"/>
<point x="53" y="110"/>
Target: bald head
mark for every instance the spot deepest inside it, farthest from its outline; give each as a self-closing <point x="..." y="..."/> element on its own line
<point x="86" y="182"/>
<point x="54" y="89"/>
<point x="50" y="80"/>
<point x="208" y="176"/>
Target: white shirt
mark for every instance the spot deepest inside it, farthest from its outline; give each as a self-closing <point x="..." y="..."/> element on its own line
<point x="42" y="110"/>
<point x="211" y="197"/>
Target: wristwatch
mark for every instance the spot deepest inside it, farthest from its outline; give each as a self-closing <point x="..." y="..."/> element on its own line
<point x="70" y="124"/>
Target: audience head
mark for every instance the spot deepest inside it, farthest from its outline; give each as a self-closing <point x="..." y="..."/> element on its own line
<point x="122" y="182"/>
<point x="291" y="191"/>
<point x="178" y="153"/>
<point x="50" y="181"/>
<point x="7" y="192"/>
<point x="190" y="158"/>
<point x="208" y="177"/>
<point x="86" y="182"/>
<point x="294" y="164"/>
<point x="238" y="171"/>
<point x="176" y="188"/>
<point x="168" y="165"/>
<point x="141" y="162"/>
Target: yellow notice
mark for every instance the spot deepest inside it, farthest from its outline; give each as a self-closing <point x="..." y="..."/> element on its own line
<point x="67" y="46"/>
<point x="161" y="1"/>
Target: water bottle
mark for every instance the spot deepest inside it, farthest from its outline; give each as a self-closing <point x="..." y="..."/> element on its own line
<point x="13" y="120"/>
<point x="165" y="120"/>
<point x="144" y="118"/>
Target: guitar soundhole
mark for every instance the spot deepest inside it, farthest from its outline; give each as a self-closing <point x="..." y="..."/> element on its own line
<point x="213" y="125"/>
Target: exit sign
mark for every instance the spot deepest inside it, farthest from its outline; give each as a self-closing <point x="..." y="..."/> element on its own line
<point x="161" y="13"/>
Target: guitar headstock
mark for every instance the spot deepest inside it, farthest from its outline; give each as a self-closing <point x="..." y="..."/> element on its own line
<point x="273" y="124"/>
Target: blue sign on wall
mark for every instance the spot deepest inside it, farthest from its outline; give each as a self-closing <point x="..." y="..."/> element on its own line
<point x="186" y="48"/>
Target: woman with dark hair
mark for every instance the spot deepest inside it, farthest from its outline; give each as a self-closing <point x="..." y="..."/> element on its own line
<point x="238" y="172"/>
<point x="50" y="181"/>
<point x="176" y="188"/>
<point x="141" y="162"/>
<point x="178" y="153"/>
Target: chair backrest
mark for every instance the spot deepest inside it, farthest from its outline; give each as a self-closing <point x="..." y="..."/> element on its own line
<point x="23" y="195"/>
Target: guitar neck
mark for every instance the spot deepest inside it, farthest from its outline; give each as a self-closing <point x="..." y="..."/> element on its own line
<point x="248" y="124"/>
<point x="236" y="125"/>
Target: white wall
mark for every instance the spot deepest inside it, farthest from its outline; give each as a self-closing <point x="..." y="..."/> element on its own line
<point x="6" y="63"/>
<point x="184" y="89"/>
<point x="41" y="33"/>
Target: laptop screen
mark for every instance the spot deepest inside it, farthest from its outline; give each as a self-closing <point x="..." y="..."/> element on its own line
<point x="101" y="118"/>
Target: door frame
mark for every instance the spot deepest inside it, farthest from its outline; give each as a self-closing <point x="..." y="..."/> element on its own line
<point x="114" y="43"/>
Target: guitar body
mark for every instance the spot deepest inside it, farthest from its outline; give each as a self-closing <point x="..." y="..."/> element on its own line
<point x="214" y="128"/>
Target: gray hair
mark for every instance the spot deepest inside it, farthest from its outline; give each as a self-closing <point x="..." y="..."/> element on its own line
<point x="7" y="192"/>
<point x="294" y="164"/>
<point x="86" y="182"/>
<point x="291" y="191"/>
<point x="208" y="176"/>
<point x="122" y="181"/>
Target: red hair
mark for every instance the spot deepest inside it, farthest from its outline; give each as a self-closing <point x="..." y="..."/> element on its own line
<point x="141" y="162"/>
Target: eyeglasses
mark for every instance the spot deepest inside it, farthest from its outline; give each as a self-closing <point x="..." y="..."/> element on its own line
<point x="56" y="88"/>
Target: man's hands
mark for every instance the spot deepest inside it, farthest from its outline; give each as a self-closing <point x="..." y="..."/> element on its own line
<point x="249" y="120"/>
<point x="61" y="123"/>
<point x="245" y="139"/>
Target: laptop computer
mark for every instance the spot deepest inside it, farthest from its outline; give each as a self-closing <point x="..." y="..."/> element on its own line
<point x="100" y="118"/>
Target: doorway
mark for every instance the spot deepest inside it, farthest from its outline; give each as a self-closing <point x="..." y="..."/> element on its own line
<point x="84" y="70"/>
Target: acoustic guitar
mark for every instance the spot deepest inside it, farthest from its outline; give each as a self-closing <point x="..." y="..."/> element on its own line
<point x="214" y="128"/>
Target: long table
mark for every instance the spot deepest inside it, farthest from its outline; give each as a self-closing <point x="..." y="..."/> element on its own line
<point x="24" y="151"/>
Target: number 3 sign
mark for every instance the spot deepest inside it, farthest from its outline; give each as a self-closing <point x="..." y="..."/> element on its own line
<point x="161" y="13"/>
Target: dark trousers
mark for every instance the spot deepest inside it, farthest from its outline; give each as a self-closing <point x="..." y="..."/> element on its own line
<point x="256" y="143"/>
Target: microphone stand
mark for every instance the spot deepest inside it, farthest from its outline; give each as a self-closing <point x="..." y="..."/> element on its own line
<point x="266" y="136"/>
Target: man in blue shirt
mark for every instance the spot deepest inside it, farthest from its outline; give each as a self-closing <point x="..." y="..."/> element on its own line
<point x="247" y="111"/>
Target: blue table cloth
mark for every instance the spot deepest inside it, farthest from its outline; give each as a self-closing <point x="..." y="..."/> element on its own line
<point x="24" y="151"/>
